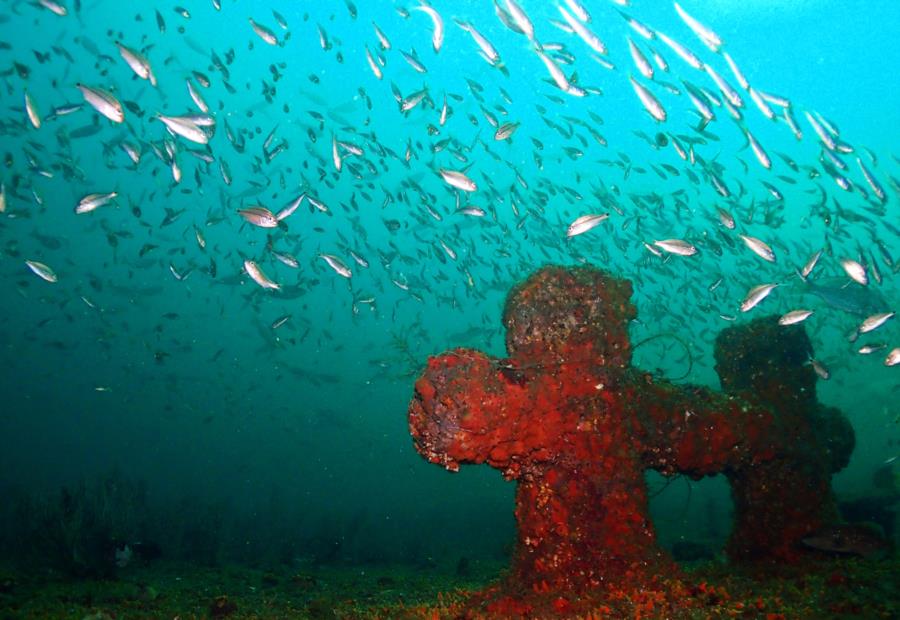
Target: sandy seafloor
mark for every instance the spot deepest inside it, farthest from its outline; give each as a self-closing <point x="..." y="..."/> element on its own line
<point x="840" y="588"/>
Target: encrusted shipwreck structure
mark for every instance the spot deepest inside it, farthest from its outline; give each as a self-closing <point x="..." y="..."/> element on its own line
<point x="569" y="418"/>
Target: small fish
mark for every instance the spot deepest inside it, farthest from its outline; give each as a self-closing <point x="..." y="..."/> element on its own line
<point x="586" y="34"/>
<point x="505" y="131"/>
<point x="373" y="64"/>
<point x="488" y="51"/>
<point x="875" y="321"/>
<point x="138" y="63"/>
<point x="286" y="259"/>
<point x="290" y="208"/>
<point x="759" y="247"/>
<point x="709" y="38"/>
<point x="640" y="61"/>
<point x="93" y="201"/>
<point x="31" y="110"/>
<point x="259" y="216"/>
<point x="280" y="321"/>
<point x="259" y="277"/>
<point x="196" y="97"/>
<point x="676" y="246"/>
<point x="458" y="180"/>
<point x="185" y="127"/>
<point x="337" y="264"/>
<point x="133" y="152"/>
<point x="382" y="38"/>
<point x="559" y="78"/>
<point x="759" y="151"/>
<point x="54" y="7"/>
<point x="42" y="270"/>
<point x="408" y="103"/>
<point x="684" y="53"/>
<point x="437" y="36"/>
<point x="893" y="358"/>
<point x="519" y="18"/>
<point x="810" y="264"/>
<point x="872" y="181"/>
<point x="756" y="295"/>
<point x="820" y="369"/>
<point x="578" y="9"/>
<point x="336" y="154"/>
<point x="472" y="211"/>
<point x="649" y="100"/>
<point x="826" y="138"/>
<point x="761" y="103"/>
<point x="104" y="102"/>
<point x="794" y="316"/>
<point x="855" y="270"/>
<point x="868" y="349"/>
<point x="725" y="218"/>
<point x="264" y="33"/>
<point x="585" y="223"/>
<point x="2" y="197"/>
<point x="738" y="74"/>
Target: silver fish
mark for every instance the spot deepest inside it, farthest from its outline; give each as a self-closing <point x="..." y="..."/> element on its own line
<point x="31" y="110"/>
<point x="264" y="33"/>
<point x="259" y="216"/>
<point x="585" y="223"/>
<point x="290" y="208"/>
<point x="93" y="201"/>
<point x="676" y="246"/>
<point x="138" y="63"/>
<point x="820" y="369"/>
<point x="337" y="264"/>
<point x="520" y="18"/>
<point x="382" y="38"/>
<point x="810" y="264"/>
<point x="759" y="247"/>
<point x="893" y="358"/>
<point x="794" y="316"/>
<point x="256" y="274"/>
<point x="709" y="38"/>
<point x="42" y="270"/>
<point x="585" y="33"/>
<point x="373" y="64"/>
<point x="184" y="127"/>
<point x="640" y="60"/>
<point x="54" y="7"/>
<point x="871" y="323"/>
<point x="505" y="131"/>
<point x="488" y="51"/>
<point x="458" y="180"/>
<point x="855" y="270"/>
<point x="103" y="101"/>
<point x="649" y="100"/>
<point x="726" y="219"/>
<point x="437" y="36"/>
<point x="756" y="295"/>
<point x="868" y="349"/>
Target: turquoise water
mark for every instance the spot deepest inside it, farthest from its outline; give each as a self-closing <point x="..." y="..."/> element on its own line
<point x="156" y="359"/>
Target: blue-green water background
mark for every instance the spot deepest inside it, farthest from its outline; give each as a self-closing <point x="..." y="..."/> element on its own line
<point x="290" y="432"/>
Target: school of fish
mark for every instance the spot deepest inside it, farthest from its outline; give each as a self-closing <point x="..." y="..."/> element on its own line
<point x="469" y="148"/>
